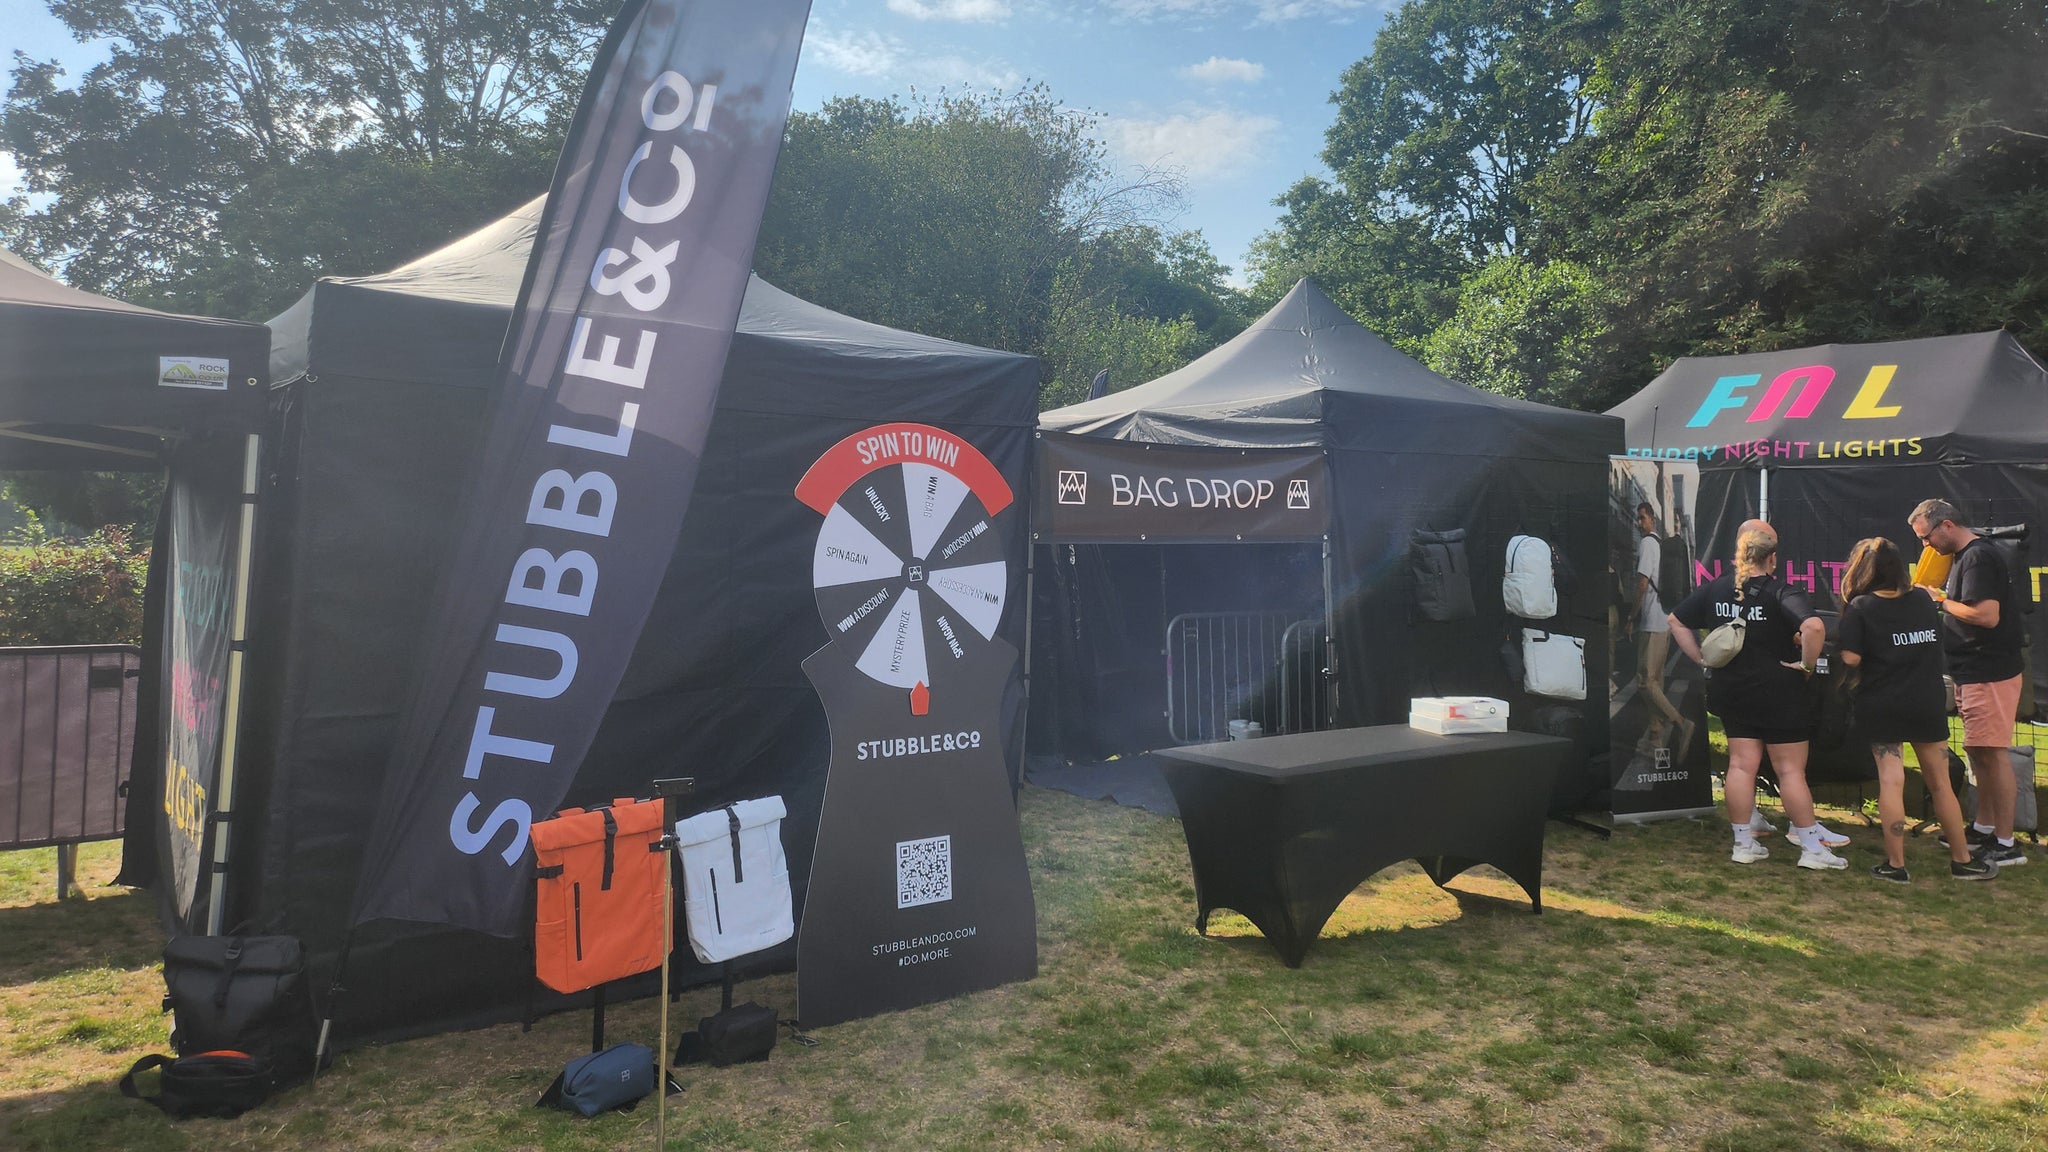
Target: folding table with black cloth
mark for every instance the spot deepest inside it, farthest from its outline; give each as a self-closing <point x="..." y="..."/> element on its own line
<point x="1281" y="829"/>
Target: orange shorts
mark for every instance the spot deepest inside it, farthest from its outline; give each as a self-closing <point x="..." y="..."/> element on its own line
<point x="1989" y="712"/>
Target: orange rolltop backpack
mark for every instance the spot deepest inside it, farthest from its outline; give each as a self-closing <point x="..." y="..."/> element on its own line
<point x="598" y="888"/>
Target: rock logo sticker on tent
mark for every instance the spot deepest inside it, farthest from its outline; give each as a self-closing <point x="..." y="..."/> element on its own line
<point x="203" y="372"/>
<point x="919" y="863"/>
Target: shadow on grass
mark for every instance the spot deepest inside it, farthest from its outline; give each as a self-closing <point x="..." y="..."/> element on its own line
<point x="39" y="941"/>
<point x="97" y="1116"/>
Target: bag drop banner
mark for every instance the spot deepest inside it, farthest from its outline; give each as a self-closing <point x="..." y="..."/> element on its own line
<point x="736" y="897"/>
<point x="599" y="875"/>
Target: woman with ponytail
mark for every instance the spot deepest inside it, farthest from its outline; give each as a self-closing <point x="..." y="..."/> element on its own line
<point x="1761" y="694"/>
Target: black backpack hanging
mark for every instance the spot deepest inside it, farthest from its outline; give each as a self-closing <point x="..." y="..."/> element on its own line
<point x="1443" y="575"/>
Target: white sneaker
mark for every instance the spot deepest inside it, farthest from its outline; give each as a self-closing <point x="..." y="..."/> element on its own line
<point x="1752" y="852"/>
<point x="1758" y="826"/>
<point x="1816" y="856"/>
<point x="1828" y="837"/>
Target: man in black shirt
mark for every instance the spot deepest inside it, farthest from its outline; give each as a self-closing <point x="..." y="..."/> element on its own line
<point x="1981" y="637"/>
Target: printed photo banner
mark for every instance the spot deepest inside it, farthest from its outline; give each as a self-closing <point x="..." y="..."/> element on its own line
<point x="202" y="531"/>
<point x="1656" y="696"/>
<point x="1120" y="490"/>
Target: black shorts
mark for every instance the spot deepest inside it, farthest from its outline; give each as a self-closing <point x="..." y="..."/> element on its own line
<point x="1903" y="730"/>
<point x="1738" y="730"/>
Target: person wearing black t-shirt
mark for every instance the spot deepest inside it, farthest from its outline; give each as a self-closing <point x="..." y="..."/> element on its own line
<point x="1981" y="636"/>
<point x="1761" y="695"/>
<point x="1890" y="634"/>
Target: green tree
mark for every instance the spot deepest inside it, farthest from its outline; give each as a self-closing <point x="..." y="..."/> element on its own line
<point x="1534" y="332"/>
<point x="74" y="503"/>
<point x="226" y="153"/>
<point x="1089" y="333"/>
<point x="994" y="219"/>
<point x="1733" y="174"/>
<point x="1440" y="136"/>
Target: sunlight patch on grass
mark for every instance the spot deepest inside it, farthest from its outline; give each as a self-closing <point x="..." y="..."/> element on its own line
<point x="1397" y="900"/>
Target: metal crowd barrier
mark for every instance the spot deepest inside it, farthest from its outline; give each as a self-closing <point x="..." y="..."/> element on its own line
<point x="1265" y="667"/>
<point x="67" y="734"/>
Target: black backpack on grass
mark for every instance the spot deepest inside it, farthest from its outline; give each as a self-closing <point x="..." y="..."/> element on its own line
<point x="245" y="1025"/>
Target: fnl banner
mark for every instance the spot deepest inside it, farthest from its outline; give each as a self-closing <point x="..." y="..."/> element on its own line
<point x="609" y="375"/>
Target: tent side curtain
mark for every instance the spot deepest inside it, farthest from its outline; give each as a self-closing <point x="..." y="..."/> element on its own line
<point x="1119" y="490"/>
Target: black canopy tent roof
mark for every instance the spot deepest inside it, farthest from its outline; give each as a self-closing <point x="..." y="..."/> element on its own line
<point x="1406" y="449"/>
<point x="1838" y="442"/>
<point x="1307" y="375"/>
<point x="383" y="385"/>
<point x="93" y="384"/>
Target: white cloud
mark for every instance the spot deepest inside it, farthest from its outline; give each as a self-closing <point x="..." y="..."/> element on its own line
<point x="10" y="175"/>
<point x="876" y="56"/>
<point x="1150" y="9"/>
<point x="1280" y="11"/>
<point x="1223" y="70"/>
<point x="854" y="53"/>
<point x="962" y="11"/>
<point x="952" y="70"/>
<point x="1204" y="145"/>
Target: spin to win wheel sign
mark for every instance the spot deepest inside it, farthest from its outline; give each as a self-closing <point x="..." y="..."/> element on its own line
<point x="918" y="888"/>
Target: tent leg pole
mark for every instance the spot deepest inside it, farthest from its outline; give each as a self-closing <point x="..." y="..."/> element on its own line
<point x="1024" y="721"/>
<point x="334" y="994"/>
<point x="238" y="640"/>
<point x="1329" y="637"/>
<point x="1763" y="494"/>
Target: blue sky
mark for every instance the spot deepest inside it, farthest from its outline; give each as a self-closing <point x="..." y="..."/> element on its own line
<point x="1233" y="93"/>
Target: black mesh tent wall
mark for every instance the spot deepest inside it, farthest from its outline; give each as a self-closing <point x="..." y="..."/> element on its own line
<point x="383" y="383"/>
<point x="1838" y="442"/>
<point x="1405" y="449"/>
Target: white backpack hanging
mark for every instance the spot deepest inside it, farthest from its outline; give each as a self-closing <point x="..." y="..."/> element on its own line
<point x="1528" y="590"/>
<point x="735" y="879"/>
<point x="1553" y="664"/>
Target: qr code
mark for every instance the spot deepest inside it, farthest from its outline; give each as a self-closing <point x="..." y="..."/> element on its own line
<point x="924" y="871"/>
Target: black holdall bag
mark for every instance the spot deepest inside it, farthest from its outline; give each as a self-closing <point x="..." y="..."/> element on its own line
<point x="246" y="994"/>
<point x="221" y="1085"/>
<point x="741" y="1033"/>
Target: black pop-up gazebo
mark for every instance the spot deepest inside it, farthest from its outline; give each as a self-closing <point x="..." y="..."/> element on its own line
<point x="1838" y="442"/>
<point x="382" y="389"/>
<point x="1209" y="542"/>
<point x="93" y="384"/>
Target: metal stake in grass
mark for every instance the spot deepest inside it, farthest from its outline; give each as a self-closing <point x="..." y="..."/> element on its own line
<point x="669" y="790"/>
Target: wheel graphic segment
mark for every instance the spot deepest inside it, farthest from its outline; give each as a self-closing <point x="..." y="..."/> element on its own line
<point x="909" y="570"/>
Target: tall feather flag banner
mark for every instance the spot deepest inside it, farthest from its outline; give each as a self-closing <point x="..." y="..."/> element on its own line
<point x="607" y="380"/>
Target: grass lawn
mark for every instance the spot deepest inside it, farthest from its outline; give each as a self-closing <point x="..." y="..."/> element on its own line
<point x="1665" y="999"/>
